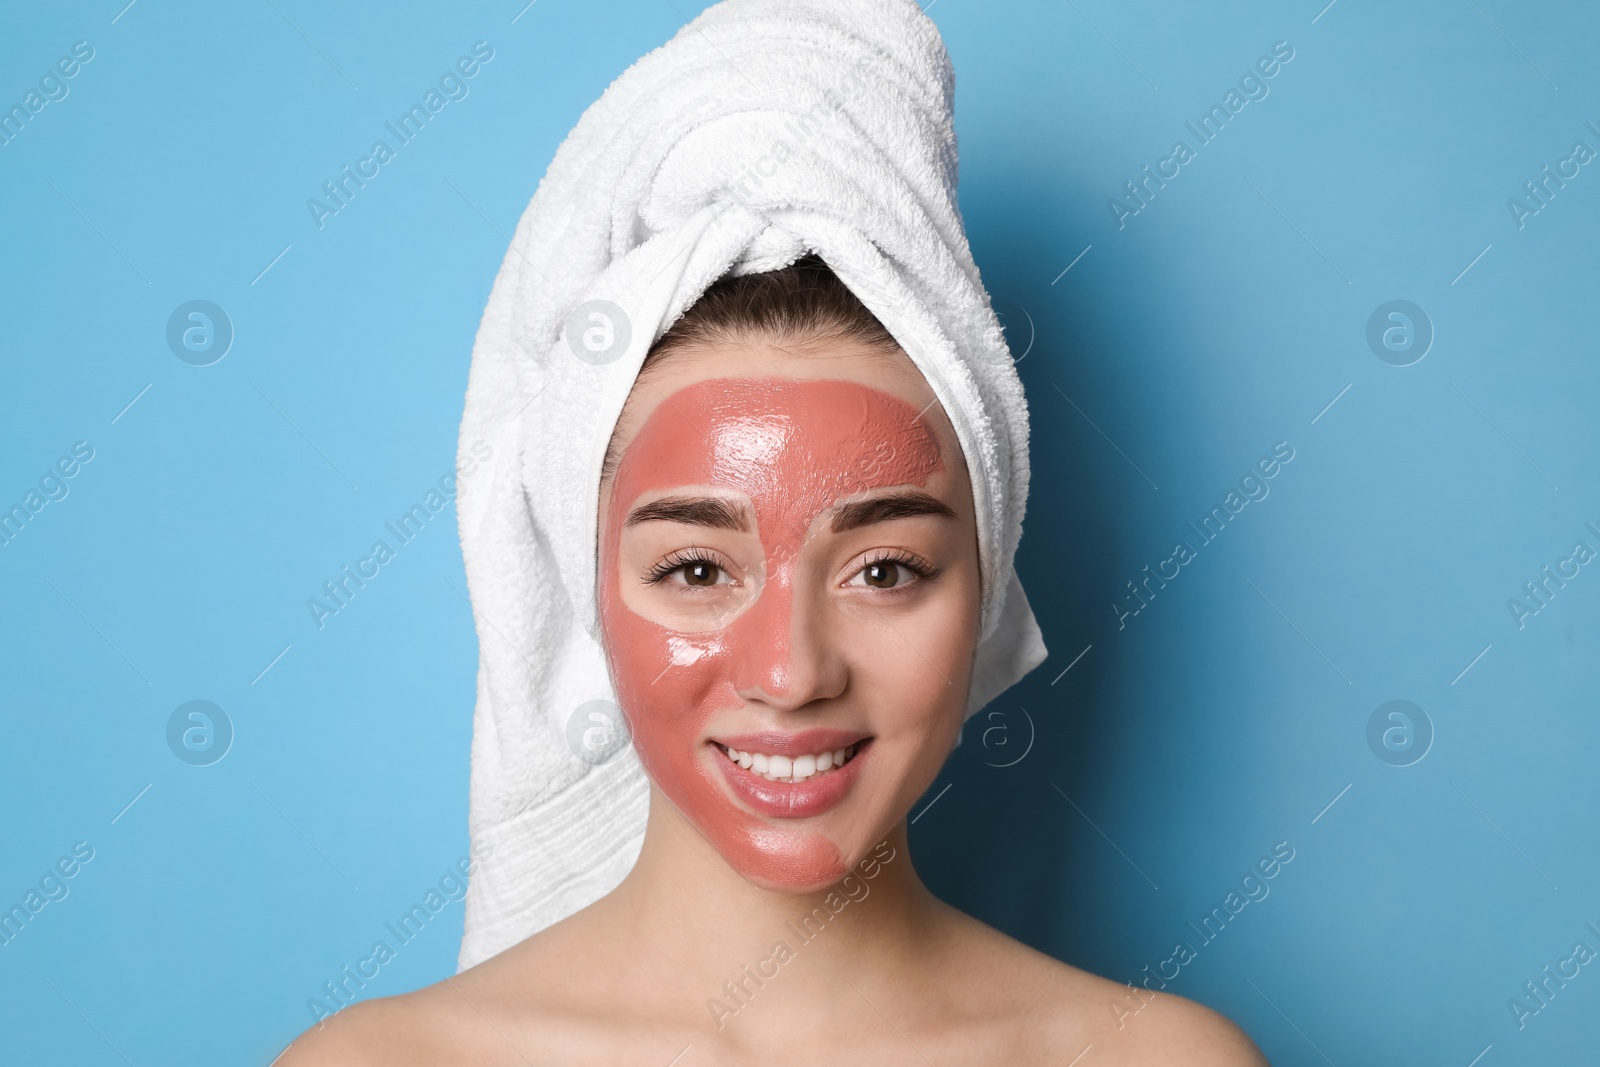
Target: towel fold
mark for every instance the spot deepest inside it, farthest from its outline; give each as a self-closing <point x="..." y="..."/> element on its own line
<point x="764" y="130"/>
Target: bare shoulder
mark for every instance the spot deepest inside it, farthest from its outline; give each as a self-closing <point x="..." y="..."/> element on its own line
<point x="433" y="1025"/>
<point x="363" y="1034"/>
<point x="1167" y="1029"/>
<point x="1065" y="1008"/>
<point x="495" y="1013"/>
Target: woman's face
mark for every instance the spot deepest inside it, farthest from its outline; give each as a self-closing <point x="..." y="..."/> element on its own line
<point x="788" y="593"/>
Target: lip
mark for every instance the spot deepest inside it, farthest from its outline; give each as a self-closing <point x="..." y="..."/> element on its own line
<point x="816" y="739"/>
<point x="793" y="800"/>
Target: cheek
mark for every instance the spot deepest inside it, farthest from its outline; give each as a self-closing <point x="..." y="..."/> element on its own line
<point x="916" y="675"/>
<point x="669" y="684"/>
<point x="665" y="681"/>
<point x="917" y="671"/>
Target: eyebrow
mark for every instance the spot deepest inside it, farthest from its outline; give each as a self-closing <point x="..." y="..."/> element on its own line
<point x="901" y="505"/>
<point x="692" y="511"/>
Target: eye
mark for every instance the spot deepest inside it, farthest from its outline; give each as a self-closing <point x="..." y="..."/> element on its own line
<point x="892" y="570"/>
<point x="700" y="572"/>
<point x="882" y="575"/>
<point x="695" y="567"/>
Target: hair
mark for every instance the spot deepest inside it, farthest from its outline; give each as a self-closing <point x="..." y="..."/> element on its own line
<point x="801" y="307"/>
<point x="803" y="304"/>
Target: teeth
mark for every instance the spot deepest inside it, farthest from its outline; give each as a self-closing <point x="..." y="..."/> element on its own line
<point x="787" y="769"/>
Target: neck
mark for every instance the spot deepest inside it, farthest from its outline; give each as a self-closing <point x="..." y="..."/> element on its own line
<point x="687" y="917"/>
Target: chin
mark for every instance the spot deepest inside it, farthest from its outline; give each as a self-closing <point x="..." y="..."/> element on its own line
<point x="800" y="833"/>
<point x="786" y="861"/>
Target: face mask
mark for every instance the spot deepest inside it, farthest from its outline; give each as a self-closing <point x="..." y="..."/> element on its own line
<point x="780" y="451"/>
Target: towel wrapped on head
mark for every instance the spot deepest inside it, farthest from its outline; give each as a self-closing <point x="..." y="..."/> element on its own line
<point x="763" y="131"/>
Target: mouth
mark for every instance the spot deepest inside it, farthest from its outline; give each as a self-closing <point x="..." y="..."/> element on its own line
<point x="776" y="767"/>
<point x="792" y="776"/>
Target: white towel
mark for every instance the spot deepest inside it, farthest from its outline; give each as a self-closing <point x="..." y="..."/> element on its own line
<point x="765" y="129"/>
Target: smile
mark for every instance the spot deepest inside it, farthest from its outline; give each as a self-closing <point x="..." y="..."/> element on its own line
<point x="780" y="768"/>
<point x="792" y="776"/>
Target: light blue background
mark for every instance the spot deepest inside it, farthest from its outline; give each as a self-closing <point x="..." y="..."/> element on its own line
<point x="1222" y="319"/>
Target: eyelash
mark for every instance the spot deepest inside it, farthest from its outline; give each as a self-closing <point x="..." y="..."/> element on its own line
<point x="902" y="558"/>
<point x="683" y="557"/>
<point x="680" y="559"/>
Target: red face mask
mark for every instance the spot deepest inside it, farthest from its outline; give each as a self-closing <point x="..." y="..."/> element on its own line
<point x="783" y="451"/>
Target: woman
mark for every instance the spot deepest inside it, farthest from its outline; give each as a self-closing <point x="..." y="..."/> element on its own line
<point x="786" y="519"/>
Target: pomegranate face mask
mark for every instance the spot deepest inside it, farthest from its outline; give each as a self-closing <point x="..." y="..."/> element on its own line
<point x="732" y="599"/>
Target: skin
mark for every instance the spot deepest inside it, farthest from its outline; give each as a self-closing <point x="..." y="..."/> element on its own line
<point x="792" y="628"/>
<point x="746" y="651"/>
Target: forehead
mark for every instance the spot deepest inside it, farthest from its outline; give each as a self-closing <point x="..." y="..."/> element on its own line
<point x="781" y="436"/>
<point x="840" y="390"/>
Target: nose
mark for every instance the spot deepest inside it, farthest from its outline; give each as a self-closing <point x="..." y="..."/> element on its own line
<point x="784" y="656"/>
